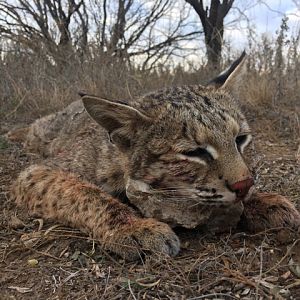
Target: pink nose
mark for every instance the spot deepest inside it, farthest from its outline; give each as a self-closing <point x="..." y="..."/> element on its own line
<point x="241" y="188"/>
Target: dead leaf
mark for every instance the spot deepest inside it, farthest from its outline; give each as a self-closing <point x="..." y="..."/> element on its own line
<point x="286" y="275"/>
<point x="96" y="269"/>
<point x="22" y="290"/>
<point x="16" y="223"/>
<point x="185" y="245"/>
<point x="32" y="262"/>
<point x="30" y="239"/>
<point x="75" y="255"/>
<point x="245" y="292"/>
<point x="98" y="272"/>
<point x="294" y="284"/>
<point x="225" y="262"/>
<point x="294" y="268"/>
<point x="271" y="279"/>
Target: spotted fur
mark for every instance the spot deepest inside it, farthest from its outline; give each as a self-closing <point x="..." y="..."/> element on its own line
<point x="174" y="153"/>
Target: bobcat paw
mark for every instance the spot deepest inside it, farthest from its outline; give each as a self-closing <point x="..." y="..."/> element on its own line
<point x="145" y="235"/>
<point x="269" y="210"/>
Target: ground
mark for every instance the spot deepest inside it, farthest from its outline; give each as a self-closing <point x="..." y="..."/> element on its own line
<point x="44" y="260"/>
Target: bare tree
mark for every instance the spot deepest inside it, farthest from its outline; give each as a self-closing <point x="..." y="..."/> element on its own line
<point x="127" y="29"/>
<point x="212" y="20"/>
<point x="45" y="25"/>
<point x="297" y="3"/>
<point x="118" y="30"/>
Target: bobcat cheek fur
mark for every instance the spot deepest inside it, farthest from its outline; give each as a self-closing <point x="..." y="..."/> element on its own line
<point x="177" y="155"/>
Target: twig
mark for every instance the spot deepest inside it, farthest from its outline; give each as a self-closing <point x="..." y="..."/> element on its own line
<point x="260" y="268"/>
<point x="130" y="290"/>
<point x="288" y="252"/>
<point x="106" y="283"/>
<point x="17" y="107"/>
<point x="213" y="295"/>
<point x="292" y="285"/>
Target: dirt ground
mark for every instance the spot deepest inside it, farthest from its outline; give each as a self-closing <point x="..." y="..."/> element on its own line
<point x="43" y="260"/>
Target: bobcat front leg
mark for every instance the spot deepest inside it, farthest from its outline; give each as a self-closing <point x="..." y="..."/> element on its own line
<point x="61" y="196"/>
<point x="269" y="210"/>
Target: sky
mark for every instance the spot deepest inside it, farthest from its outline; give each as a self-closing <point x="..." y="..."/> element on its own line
<point x="261" y="16"/>
<point x="264" y="17"/>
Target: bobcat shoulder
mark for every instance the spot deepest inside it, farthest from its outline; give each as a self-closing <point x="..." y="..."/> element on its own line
<point x="175" y="154"/>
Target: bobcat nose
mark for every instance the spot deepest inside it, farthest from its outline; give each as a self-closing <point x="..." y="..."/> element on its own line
<point x="241" y="188"/>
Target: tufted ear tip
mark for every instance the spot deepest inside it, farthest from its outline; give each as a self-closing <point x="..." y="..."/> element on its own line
<point x="231" y="77"/>
<point x="82" y="93"/>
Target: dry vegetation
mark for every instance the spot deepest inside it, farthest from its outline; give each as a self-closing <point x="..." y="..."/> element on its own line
<point x="46" y="261"/>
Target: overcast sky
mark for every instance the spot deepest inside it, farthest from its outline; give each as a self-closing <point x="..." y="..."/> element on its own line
<point x="264" y="17"/>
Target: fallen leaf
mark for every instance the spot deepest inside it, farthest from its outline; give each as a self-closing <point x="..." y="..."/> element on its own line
<point x="97" y="271"/>
<point x="185" y="245"/>
<point x="75" y="255"/>
<point x="294" y="268"/>
<point x="32" y="262"/>
<point x="15" y="222"/>
<point x="286" y="275"/>
<point x="285" y="292"/>
<point x="271" y="279"/>
<point x="245" y="292"/>
<point x="21" y="290"/>
<point x="30" y="239"/>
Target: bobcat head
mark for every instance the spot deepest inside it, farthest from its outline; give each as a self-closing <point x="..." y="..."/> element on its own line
<point x="182" y="143"/>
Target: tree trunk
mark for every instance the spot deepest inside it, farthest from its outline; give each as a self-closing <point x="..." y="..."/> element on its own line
<point x="212" y="20"/>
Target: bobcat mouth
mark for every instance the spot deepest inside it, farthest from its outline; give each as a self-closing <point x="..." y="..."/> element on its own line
<point x="198" y="196"/>
<point x="191" y="196"/>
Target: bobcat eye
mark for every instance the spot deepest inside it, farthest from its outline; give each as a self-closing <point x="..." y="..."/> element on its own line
<point x="199" y="152"/>
<point x="242" y="141"/>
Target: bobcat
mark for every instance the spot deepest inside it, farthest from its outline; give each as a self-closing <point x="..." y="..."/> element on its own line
<point x="176" y="154"/>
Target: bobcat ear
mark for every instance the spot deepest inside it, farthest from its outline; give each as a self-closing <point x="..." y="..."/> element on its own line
<point x="231" y="78"/>
<point x="118" y="118"/>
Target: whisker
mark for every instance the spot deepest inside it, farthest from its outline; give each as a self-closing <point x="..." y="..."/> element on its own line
<point x="185" y="200"/>
<point x="168" y="194"/>
<point x="182" y="195"/>
<point x="204" y="202"/>
<point x="172" y="188"/>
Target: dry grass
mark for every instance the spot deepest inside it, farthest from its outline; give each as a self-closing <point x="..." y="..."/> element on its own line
<point x="40" y="260"/>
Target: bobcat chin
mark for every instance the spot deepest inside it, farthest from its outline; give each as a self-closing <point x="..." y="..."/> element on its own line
<point x="177" y="155"/>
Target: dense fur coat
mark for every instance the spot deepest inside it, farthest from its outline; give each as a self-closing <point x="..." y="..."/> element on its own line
<point x="177" y="155"/>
